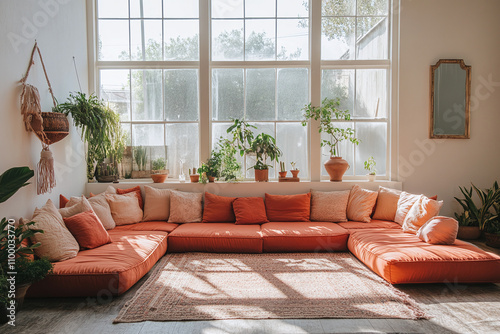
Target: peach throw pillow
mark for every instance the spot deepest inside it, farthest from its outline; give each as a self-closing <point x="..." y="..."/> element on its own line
<point x="75" y="206"/>
<point x="329" y="206"/>
<point x="125" y="208"/>
<point x="423" y="210"/>
<point x="439" y="231"/>
<point x="405" y="202"/>
<point x="387" y="204"/>
<point x="156" y="204"/>
<point x="185" y="207"/>
<point x="360" y="205"/>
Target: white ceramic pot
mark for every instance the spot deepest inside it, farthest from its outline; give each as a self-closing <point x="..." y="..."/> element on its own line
<point x="371" y="177"/>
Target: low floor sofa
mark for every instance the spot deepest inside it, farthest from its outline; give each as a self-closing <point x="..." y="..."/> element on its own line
<point x="396" y="256"/>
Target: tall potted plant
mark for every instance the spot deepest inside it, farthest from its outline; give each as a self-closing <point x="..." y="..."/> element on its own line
<point x="326" y="114"/>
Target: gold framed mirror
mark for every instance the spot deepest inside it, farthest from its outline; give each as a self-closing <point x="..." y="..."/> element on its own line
<point x="450" y="99"/>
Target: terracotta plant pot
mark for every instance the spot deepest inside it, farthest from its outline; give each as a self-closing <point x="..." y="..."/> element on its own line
<point x="283" y="174"/>
<point x="194" y="177"/>
<point x="295" y="172"/>
<point x="55" y="126"/>
<point x="159" y="178"/>
<point x="261" y="175"/>
<point x="211" y="179"/>
<point x="468" y="232"/>
<point x="336" y="167"/>
<point x="492" y="240"/>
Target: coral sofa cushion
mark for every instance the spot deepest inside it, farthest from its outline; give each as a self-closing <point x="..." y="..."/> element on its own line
<point x="105" y="271"/>
<point x="373" y="224"/>
<point x="218" y="209"/>
<point x="421" y="211"/>
<point x="361" y="203"/>
<point x="288" y="208"/>
<point x="185" y="207"/>
<point x="156" y="204"/>
<point x="387" y="204"/>
<point x="57" y="242"/>
<point x="400" y="257"/>
<point x="304" y="237"/>
<point x="87" y="230"/>
<point x="62" y="201"/>
<point x="125" y="208"/>
<point x="329" y="206"/>
<point x="439" y="230"/>
<point x="216" y="238"/>
<point x="149" y="226"/>
<point x="250" y="210"/>
<point x="136" y="190"/>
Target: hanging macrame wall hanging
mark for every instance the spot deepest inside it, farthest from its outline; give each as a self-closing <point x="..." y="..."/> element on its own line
<point x="50" y="127"/>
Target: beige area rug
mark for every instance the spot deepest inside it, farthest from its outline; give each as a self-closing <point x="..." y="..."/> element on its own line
<point x="201" y="286"/>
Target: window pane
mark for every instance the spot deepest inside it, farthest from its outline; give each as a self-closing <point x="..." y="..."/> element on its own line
<point x="260" y="94"/>
<point x="293" y="8"/>
<point x="293" y="93"/>
<point x="112" y="8"/>
<point x="146" y="95"/>
<point x="147" y="135"/>
<point x="292" y="140"/>
<point x="346" y="149"/>
<point x="338" y="8"/>
<point x="373" y="138"/>
<point x="293" y="39"/>
<point x="182" y="142"/>
<point x="126" y="128"/>
<point x="145" y="8"/>
<point x="113" y="40"/>
<point x="146" y="39"/>
<point x="181" y="95"/>
<point x="337" y="38"/>
<point x="227" y="40"/>
<point x="181" y="39"/>
<point x="115" y="90"/>
<point x="260" y="39"/>
<point x="260" y="8"/>
<point x="372" y="40"/>
<point x="371" y="94"/>
<point x="339" y="84"/>
<point x="227" y="94"/>
<point x="372" y="7"/>
<point x="181" y="9"/>
<point x="219" y="130"/>
<point x="227" y="8"/>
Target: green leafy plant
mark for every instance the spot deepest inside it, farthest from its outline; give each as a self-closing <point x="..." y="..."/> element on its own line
<point x="264" y="146"/>
<point x="159" y="164"/>
<point x="282" y="166"/>
<point x="229" y="165"/>
<point x="141" y="157"/>
<point x="293" y="164"/>
<point x="370" y="165"/>
<point x="12" y="180"/>
<point x="326" y="114"/>
<point x="242" y="135"/>
<point x="481" y="215"/>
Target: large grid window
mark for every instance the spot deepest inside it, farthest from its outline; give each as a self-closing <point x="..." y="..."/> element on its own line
<point x="248" y="59"/>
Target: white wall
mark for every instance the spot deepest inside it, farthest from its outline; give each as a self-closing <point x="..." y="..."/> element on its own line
<point x="430" y="30"/>
<point x="59" y="26"/>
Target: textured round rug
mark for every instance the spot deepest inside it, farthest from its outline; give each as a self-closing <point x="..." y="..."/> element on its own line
<point x="205" y="286"/>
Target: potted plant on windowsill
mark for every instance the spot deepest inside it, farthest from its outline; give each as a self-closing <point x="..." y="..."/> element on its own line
<point x="295" y="171"/>
<point x="327" y="114"/>
<point x="370" y="165"/>
<point x="159" y="174"/>
<point x="283" y="171"/>
<point x="264" y="147"/>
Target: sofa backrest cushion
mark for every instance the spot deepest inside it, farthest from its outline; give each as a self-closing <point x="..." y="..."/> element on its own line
<point x="102" y="210"/>
<point x="329" y="206"/>
<point x="387" y="204"/>
<point x="250" y="210"/>
<point x="421" y="211"/>
<point x="74" y="206"/>
<point x="156" y="204"/>
<point x="185" y="207"/>
<point x="288" y="208"/>
<point x="87" y="230"/>
<point x="360" y="205"/>
<point x="439" y="230"/>
<point x="125" y="208"/>
<point x="136" y="190"/>
<point x="218" y="209"/>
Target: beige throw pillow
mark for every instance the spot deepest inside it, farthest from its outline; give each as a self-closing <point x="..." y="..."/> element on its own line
<point x="102" y="210"/>
<point x="57" y="242"/>
<point x="360" y="205"/>
<point x="75" y="206"/>
<point x="125" y="208"/>
<point x="329" y="206"/>
<point x="156" y="204"/>
<point x="185" y="207"/>
<point x="387" y="204"/>
<point x="421" y="211"/>
<point x="405" y="202"/>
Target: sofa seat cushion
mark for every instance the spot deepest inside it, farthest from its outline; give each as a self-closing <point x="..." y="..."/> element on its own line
<point x="107" y="270"/>
<point x="303" y="237"/>
<point x="215" y="238"/>
<point x="149" y="226"/>
<point x="374" y="224"/>
<point x="400" y="257"/>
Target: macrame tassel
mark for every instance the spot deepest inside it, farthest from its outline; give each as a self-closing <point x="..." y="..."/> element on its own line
<point x="45" y="172"/>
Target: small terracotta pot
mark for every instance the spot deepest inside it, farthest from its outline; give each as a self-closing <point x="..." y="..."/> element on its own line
<point x="295" y="172"/>
<point x="468" y="232"/>
<point x="211" y="179"/>
<point x="159" y="178"/>
<point x="336" y="167"/>
<point x="492" y="240"/>
<point x="283" y="174"/>
<point x="194" y="177"/>
<point x="261" y="175"/>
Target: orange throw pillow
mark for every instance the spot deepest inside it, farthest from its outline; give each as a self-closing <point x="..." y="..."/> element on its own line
<point x="250" y="210"/>
<point x="288" y="208"/>
<point x="360" y="205"/>
<point x="87" y="230"/>
<point x="387" y="204"/>
<point x="62" y="201"/>
<point x="218" y="209"/>
<point x="136" y="189"/>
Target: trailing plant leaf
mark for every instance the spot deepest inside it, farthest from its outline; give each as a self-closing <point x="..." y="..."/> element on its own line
<point x="12" y="180"/>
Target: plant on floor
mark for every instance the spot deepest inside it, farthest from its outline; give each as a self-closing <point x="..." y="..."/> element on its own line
<point x="481" y="215"/>
<point x="370" y="165"/>
<point x="141" y="157"/>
